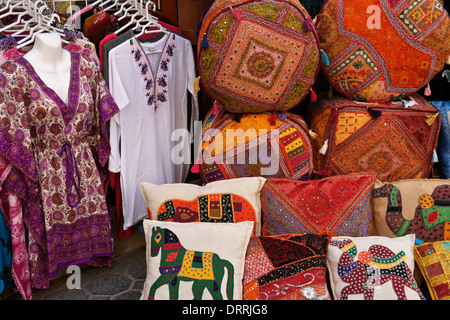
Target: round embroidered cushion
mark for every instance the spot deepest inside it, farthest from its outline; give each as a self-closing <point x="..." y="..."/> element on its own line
<point x="258" y="144"/>
<point x="382" y="50"/>
<point x="257" y="56"/>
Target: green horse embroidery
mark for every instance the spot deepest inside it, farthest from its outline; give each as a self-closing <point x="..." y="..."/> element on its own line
<point x="205" y="269"/>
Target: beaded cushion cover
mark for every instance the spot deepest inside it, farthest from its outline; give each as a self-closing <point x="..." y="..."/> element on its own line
<point x="443" y="149"/>
<point x="433" y="259"/>
<point x="257" y="56"/>
<point x="286" y="267"/>
<point x="256" y="145"/>
<point x="227" y="201"/>
<point x="415" y="206"/>
<point x="192" y="260"/>
<point x="372" y="268"/>
<point x="339" y="204"/>
<point x="395" y="139"/>
<point x="382" y="50"/>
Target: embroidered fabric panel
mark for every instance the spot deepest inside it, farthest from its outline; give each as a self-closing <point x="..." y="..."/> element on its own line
<point x="255" y="145"/>
<point x="372" y="44"/>
<point x="360" y="267"/>
<point x="443" y="148"/>
<point x="257" y="56"/>
<point x="286" y="267"/>
<point x="396" y="139"/>
<point x="416" y="206"/>
<point x="188" y="261"/>
<point x="339" y="204"/>
<point x="433" y="259"/>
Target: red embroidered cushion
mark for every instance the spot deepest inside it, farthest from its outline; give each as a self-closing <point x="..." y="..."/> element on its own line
<point x="257" y="56"/>
<point x="286" y="267"/>
<point x="395" y="139"/>
<point x="256" y="145"/>
<point x="339" y="204"/>
<point x="382" y="50"/>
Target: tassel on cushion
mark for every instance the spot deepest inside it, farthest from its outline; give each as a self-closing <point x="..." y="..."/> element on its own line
<point x="215" y="110"/>
<point x="197" y="85"/>
<point x="374" y="113"/>
<point x="237" y="13"/>
<point x="273" y="119"/>
<point x="427" y="90"/>
<point x="430" y="119"/>
<point x="204" y="44"/>
<point x="324" y="148"/>
<point x="324" y="57"/>
<point x="313" y="134"/>
<point x="307" y="26"/>
<point x="330" y="93"/>
<point x="195" y="168"/>
<point x="313" y="96"/>
<point x="282" y="116"/>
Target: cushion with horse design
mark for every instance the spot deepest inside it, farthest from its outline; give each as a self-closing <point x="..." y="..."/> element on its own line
<point x="191" y="260"/>
<point x="287" y="267"/>
<point x="383" y="50"/>
<point x="340" y="204"/>
<point x="258" y="56"/>
<point x="433" y="259"/>
<point x="414" y="206"/>
<point x="372" y="268"/>
<point x="233" y="200"/>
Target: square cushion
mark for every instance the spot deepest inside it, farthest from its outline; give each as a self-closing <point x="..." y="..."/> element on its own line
<point x="287" y="267"/>
<point x="340" y="204"/>
<point x="231" y="200"/>
<point x="415" y="206"/>
<point x="372" y="268"/>
<point x="433" y="259"/>
<point x="188" y="260"/>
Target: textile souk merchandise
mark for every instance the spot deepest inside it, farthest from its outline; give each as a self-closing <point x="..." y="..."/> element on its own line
<point x="396" y="139"/>
<point x="339" y="204"/>
<point x="443" y="149"/>
<point x="58" y="152"/>
<point x="360" y="268"/>
<point x="415" y="206"/>
<point x="150" y="82"/>
<point x="255" y="144"/>
<point x="191" y="260"/>
<point x="257" y="56"/>
<point x="227" y="201"/>
<point x="382" y="50"/>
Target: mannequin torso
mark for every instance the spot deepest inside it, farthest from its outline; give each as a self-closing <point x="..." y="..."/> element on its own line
<point x="52" y="63"/>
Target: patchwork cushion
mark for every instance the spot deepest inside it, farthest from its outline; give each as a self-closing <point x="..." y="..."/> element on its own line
<point x="416" y="206"/>
<point x="339" y="204"/>
<point x="256" y="145"/>
<point x="187" y="261"/>
<point x="286" y="267"/>
<point x="443" y="149"/>
<point x="228" y="201"/>
<point x="433" y="259"/>
<point x="382" y="50"/>
<point x="396" y="139"/>
<point x="372" y="268"/>
<point x="257" y="56"/>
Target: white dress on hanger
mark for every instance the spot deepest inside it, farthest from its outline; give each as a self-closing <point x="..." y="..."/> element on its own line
<point x="150" y="82"/>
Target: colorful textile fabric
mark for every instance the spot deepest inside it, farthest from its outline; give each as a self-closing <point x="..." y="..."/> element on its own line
<point x="58" y="153"/>
<point x="228" y="201"/>
<point x="360" y="267"/>
<point x="339" y="204"/>
<point x="382" y="50"/>
<point x="443" y="149"/>
<point x="395" y="139"/>
<point x="255" y="145"/>
<point x="257" y="56"/>
<point x="286" y="267"/>
<point x="416" y="206"/>
<point x="6" y="279"/>
<point x="187" y="261"/>
<point x="433" y="259"/>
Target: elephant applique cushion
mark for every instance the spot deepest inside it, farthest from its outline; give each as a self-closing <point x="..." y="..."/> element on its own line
<point x="192" y="260"/>
<point x="433" y="259"/>
<point x="252" y="144"/>
<point x="383" y="50"/>
<point x="287" y="267"/>
<point x="340" y="204"/>
<point x="414" y="206"/>
<point x="228" y="201"/>
<point x="372" y="268"/>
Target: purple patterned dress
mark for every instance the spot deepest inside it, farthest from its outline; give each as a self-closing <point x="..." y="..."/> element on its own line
<point x="58" y="153"/>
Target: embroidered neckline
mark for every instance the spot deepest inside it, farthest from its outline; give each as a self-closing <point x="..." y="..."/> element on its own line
<point x="155" y="84"/>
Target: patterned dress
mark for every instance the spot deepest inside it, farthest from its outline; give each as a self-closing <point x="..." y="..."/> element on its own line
<point x="58" y="153"/>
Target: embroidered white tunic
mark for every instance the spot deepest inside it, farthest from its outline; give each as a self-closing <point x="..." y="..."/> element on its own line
<point x="151" y="82"/>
